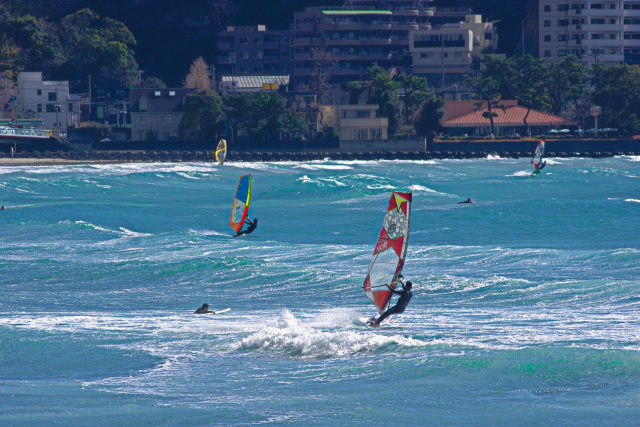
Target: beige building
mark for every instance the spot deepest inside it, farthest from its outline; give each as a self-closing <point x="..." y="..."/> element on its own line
<point x="356" y="122"/>
<point x="46" y="100"/>
<point x="449" y="54"/>
<point x="156" y="112"/>
<point x="597" y="31"/>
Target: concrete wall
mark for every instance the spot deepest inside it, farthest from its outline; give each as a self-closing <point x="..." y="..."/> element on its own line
<point x="553" y="146"/>
<point x="417" y="144"/>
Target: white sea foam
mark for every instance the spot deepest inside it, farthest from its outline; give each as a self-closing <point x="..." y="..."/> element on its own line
<point x="493" y="157"/>
<point x="520" y="173"/>
<point x="632" y="200"/>
<point x="418" y="187"/>
<point x="311" y="339"/>
<point x="381" y="187"/>
<point x="208" y="233"/>
<point x="314" y="167"/>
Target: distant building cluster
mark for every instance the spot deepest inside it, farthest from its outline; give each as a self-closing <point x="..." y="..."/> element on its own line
<point x="326" y="47"/>
<point x="597" y="31"/>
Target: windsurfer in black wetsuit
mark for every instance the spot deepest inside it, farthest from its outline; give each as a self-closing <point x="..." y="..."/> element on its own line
<point x="401" y="304"/>
<point x="540" y="166"/>
<point x="466" y="201"/>
<point x="251" y="225"/>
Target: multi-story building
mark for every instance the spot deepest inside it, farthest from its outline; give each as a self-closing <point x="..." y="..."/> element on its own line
<point x="449" y="54"/>
<point x="109" y="105"/>
<point x="597" y="31"/>
<point x="253" y="50"/>
<point x="357" y="36"/>
<point x="46" y="100"/>
<point x="156" y="113"/>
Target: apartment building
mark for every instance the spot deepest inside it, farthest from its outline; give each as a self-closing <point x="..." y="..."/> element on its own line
<point x="253" y="50"/>
<point x="597" y="31"/>
<point x="358" y="35"/>
<point x="449" y="54"/>
<point x="156" y="113"/>
<point x="46" y="100"/>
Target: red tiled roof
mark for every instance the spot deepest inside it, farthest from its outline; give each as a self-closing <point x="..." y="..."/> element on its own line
<point x="459" y="108"/>
<point x="512" y="115"/>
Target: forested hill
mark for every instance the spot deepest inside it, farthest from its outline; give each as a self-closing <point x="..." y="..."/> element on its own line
<point x="168" y="35"/>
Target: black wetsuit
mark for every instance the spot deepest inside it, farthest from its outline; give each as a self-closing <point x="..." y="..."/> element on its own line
<point x="401" y="304"/>
<point x="202" y="310"/>
<point x="251" y="225"/>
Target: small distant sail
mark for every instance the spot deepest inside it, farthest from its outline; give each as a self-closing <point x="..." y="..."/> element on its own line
<point x="240" y="206"/>
<point x="390" y="250"/>
<point x="537" y="156"/>
<point x="221" y="151"/>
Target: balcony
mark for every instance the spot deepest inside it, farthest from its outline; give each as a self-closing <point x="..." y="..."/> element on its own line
<point x="307" y="41"/>
<point x="603" y="43"/>
<point x="597" y="28"/>
<point x="602" y="12"/>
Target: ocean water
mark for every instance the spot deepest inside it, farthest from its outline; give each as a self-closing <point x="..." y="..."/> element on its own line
<point x="526" y="307"/>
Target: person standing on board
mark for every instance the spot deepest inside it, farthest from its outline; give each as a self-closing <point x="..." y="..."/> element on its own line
<point x="540" y="166"/>
<point x="405" y="296"/>
<point x="251" y="225"/>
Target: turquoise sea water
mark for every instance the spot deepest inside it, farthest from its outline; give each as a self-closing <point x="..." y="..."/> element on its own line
<point x="526" y="307"/>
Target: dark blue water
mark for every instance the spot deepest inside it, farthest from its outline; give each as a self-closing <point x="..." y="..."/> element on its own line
<point x="525" y="311"/>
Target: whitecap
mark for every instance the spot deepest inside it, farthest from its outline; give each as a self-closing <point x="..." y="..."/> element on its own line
<point x="632" y="200"/>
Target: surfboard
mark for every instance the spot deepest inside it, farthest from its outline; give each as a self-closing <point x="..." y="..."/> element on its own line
<point x="221" y="151"/>
<point x="226" y="310"/>
<point x="366" y="321"/>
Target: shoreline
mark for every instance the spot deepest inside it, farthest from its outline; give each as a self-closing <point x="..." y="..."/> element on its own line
<point x="111" y="157"/>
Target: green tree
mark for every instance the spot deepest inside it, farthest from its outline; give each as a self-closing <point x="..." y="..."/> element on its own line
<point x="97" y="46"/>
<point x="258" y="113"/>
<point x="567" y="84"/>
<point x="429" y="116"/>
<point x="416" y="91"/>
<point x="27" y="43"/>
<point x="356" y="88"/>
<point x="152" y="82"/>
<point x="202" y="118"/>
<point x="617" y="92"/>
<point x="383" y="90"/>
<point x="489" y="98"/>
<point x="292" y="126"/>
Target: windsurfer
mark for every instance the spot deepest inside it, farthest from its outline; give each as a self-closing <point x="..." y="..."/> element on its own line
<point x="540" y="166"/>
<point x="405" y="296"/>
<point x="251" y="225"/>
<point x="466" y="201"/>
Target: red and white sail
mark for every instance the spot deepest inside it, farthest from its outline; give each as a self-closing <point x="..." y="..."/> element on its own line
<point x="390" y="250"/>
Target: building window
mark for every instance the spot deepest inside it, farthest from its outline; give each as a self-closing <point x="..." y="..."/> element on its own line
<point x="563" y="22"/>
<point x="39" y="91"/>
<point x="376" y="133"/>
<point x="547" y="8"/>
<point x="39" y="108"/>
<point x="362" y="134"/>
<point x="547" y="53"/>
<point x="563" y="8"/>
<point x="70" y="108"/>
<point x="547" y="38"/>
<point x="547" y="23"/>
<point x="597" y="21"/>
<point x="563" y="37"/>
<point x="53" y="96"/>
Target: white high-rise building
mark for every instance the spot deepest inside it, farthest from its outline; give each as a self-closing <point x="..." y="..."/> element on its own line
<point x="46" y="100"/>
<point x="597" y="31"/>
